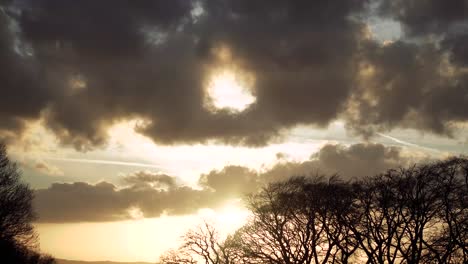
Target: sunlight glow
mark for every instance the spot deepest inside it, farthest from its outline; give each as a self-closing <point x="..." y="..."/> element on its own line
<point x="232" y="217"/>
<point x="138" y="239"/>
<point x="227" y="219"/>
<point x="132" y="240"/>
<point x="227" y="91"/>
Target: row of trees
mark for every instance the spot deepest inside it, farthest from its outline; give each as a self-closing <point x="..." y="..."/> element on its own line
<point x="411" y="215"/>
<point x="18" y="241"/>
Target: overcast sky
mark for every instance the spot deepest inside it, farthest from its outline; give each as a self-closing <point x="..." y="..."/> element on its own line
<point x="135" y="119"/>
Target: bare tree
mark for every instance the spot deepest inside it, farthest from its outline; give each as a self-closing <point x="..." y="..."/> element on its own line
<point x="16" y="213"/>
<point x="407" y="215"/>
<point x="203" y="245"/>
<point x="299" y="221"/>
<point x="18" y="240"/>
<point x="450" y="243"/>
<point x="412" y="215"/>
<point x="177" y="257"/>
<point x="388" y="229"/>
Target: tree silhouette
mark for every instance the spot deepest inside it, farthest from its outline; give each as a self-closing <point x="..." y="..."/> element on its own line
<point x="204" y="243"/>
<point x="408" y="215"/>
<point x="17" y="237"/>
<point x="414" y="215"/>
<point x="450" y="243"/>
<point x="297" y="221"/>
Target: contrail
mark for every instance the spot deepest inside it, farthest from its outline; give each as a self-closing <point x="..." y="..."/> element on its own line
<point x="108" y="162"/>
<point x="406" y="143"/>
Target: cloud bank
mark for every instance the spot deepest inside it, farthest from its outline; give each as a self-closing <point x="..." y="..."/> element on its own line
<point x="81" y="66"/>
<point x="148" y="194"/>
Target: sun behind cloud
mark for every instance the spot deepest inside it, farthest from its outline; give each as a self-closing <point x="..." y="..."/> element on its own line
<point x="227" y="90"/>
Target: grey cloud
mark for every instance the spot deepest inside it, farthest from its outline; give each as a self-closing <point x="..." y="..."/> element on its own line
<point x="415" y="85"/>
<point x="85" y="65"/>
<point x="300" y="52"/>
<point x="457" y="45"/>
<point x="148" y="178"/>
<point x="80" y="201"/>
<point x="124" y="75"/>
<point x="231" y="180"/>
<point x="426" y="16"/>
<point x="407" y="85"/>
<point x="23" y="93"/>
<point x="353" y="162"/>
<point x="98" y="29"/>
<point x="349" y="162"/>
<point x="84" y="202"/>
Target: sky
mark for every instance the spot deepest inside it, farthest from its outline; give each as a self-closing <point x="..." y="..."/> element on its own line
<point x="135" y="121"/>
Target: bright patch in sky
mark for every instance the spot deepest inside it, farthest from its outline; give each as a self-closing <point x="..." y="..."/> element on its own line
<point x="138" y="239"/>
<point x="226" y="90"/>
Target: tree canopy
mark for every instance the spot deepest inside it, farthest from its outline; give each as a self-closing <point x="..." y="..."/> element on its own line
<point x="407" y="215"/>
<point x="18" y="241"/>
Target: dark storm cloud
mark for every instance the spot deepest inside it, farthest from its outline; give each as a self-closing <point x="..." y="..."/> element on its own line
<point x="301" y="53"/>
<point x="77" y="202"/>
<point x="426" y="16"/>
<point x="148" y="59"/>
<point x="457" y="44"/>
<point x="106" y="47"/>
<point x="402" y="85"/>
<point x="438" y="19"/>
<point x="23" y="94"/>
<point x="104" y="29"/>
<point x="419" y="81"/>
<point x="85" y="65"/>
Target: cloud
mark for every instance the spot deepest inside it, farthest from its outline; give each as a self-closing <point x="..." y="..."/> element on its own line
<point x="48" y="169"/>
<point x="163" y="82"/>
<point x="110" y="162"/>
<point x="419" y="81"/>
<point x="231" y="180"/>
<point x="312" y="62"/>
<point x="84" y="202"/>
<point x="151" y="179"/>
<point x="23" y="93"/>
<point x="408" y="85"/>
<point x="80" y="201"/>
<point x="152" y="194"/>
<point x="349" y="162"/>
<point x="421" y="17"/>
<point x="41" y="166"/>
